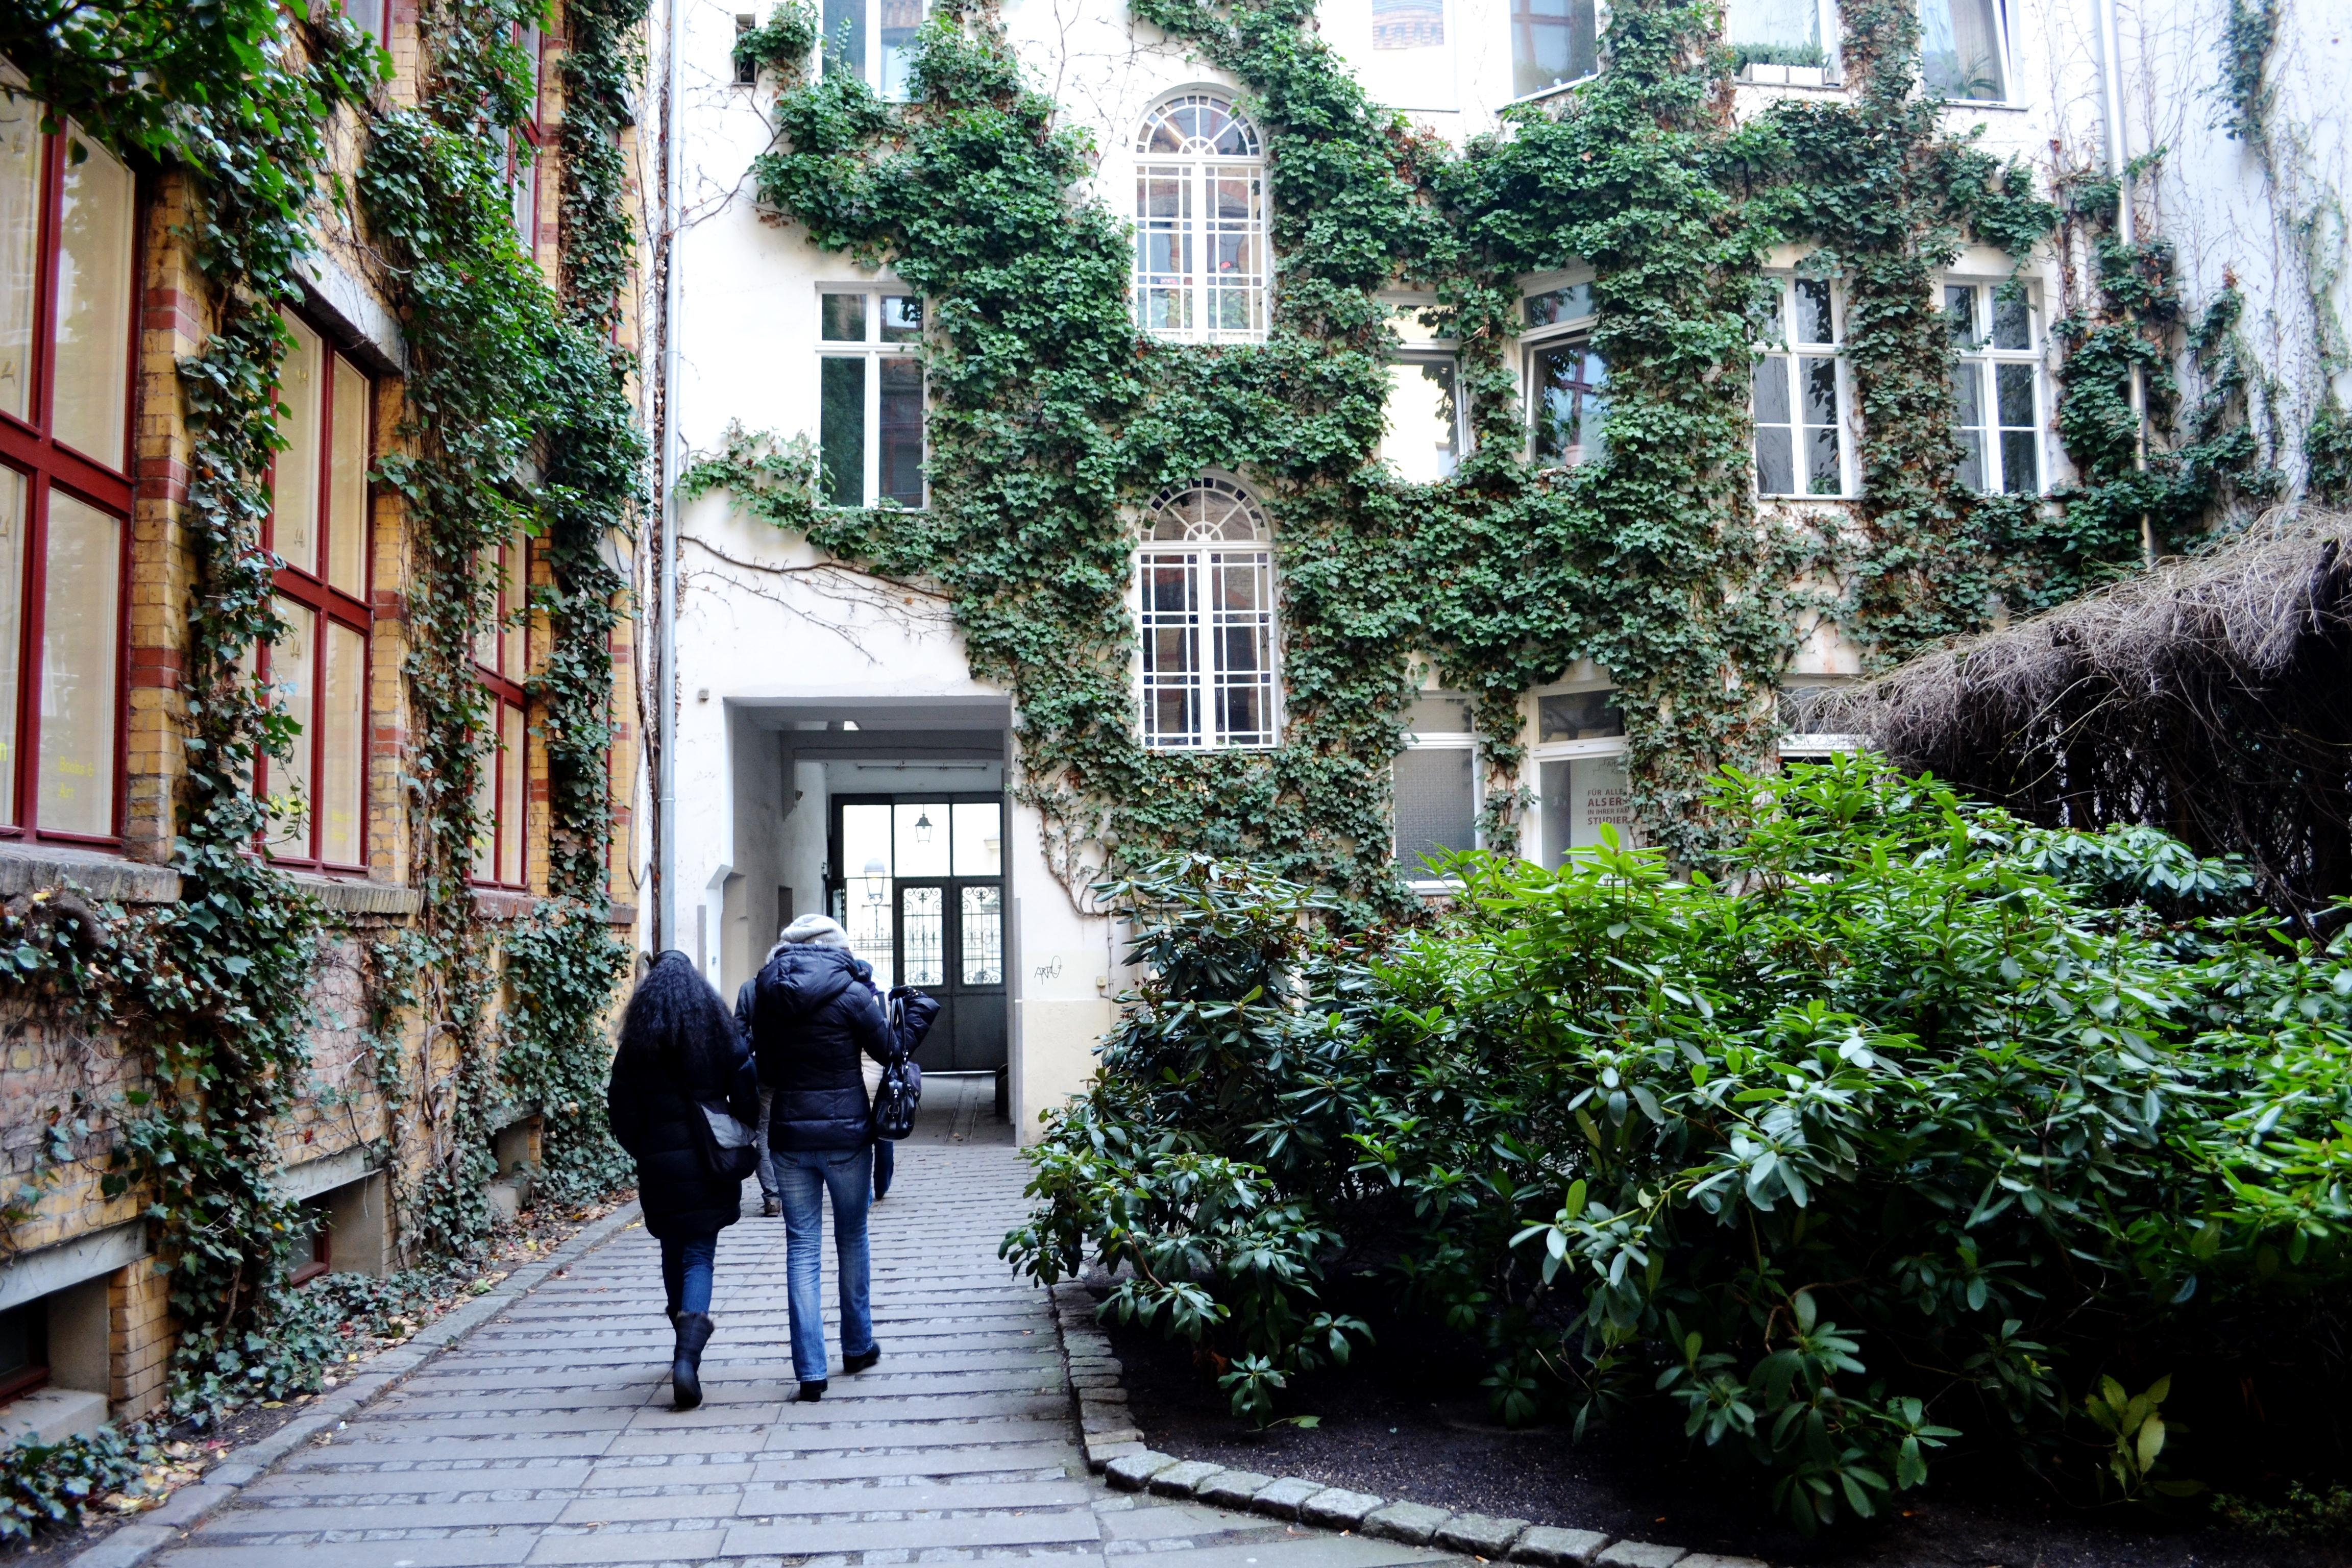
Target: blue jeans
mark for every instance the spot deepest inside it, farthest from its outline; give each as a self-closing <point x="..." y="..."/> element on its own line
<point x="686" y="1271"/>
<point x="802" y="1177"/>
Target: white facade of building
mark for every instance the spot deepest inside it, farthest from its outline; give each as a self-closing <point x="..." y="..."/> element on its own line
<point x="799" y="682"/>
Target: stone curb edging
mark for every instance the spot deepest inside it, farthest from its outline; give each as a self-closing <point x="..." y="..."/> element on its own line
<point x="133" y="1543"/>
<point x="1115" y="1447"/>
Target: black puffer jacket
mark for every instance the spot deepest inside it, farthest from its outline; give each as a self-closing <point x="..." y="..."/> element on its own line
<point x="812" y="1012"/>
<point x="655" y="1117"/>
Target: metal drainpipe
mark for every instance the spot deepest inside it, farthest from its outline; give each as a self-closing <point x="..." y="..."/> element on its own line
<point x="666" y="591"/>
<point x="2111" y="93"/>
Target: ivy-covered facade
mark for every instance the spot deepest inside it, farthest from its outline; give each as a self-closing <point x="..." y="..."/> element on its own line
<point x="1335" y="435"/>
<point x="319" y="468"/>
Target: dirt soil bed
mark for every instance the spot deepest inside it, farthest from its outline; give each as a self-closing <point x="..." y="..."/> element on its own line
<point x="1412" y="1430"/>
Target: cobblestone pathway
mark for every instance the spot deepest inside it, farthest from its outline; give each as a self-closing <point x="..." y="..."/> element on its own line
<point x="547" y="1436"/>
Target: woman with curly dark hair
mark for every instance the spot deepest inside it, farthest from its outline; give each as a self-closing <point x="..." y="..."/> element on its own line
<point x="682" y="1098"/>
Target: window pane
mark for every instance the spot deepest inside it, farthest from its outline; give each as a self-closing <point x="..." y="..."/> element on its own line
<point x="1972" y="453"/>
<point x="841" y="431"/>
<point x="1598" y="793"/>
<point x="1821" y="475"/>
<point x="1960" y="52"/>
<point x="293" y="681"/>
<point x="79" y="621"/>
<point x="13" y="498"/>
<point x="1578" y="716"/>
<point x="2013" y="323"/>
<point x="901" y="431"/>
<point x="919" y="839"/>
<point x="1552" y="42"/>
<point x="1815" y="324"/>
<point x="844" y="36"/>
<point x="923" y="935"/>
<point x="2020" y="462"/>
<point x="1422" y="441"/>
<point x="842" y="317"/>
<point x="866" y="871"/>
<point x="1572" y="303"/>
<point x="20" y="236"/>
<point x="514" y="582"/>
<point x="486" y="807"/>
<point x="902" y="318"/>
<point x="1567" y="404"/>
<point x="1817" y="381"/>
<point x="342" y="762"/>
<point x="92" y="338"/>
<point x="1771" y="390"/>
<point x="981" y="958"/>
<point x="2013" y="393"/>
<point x="294" y="483"/>
<point x="1436" y="803"/>
<point x="512" y="775"/>
<point x="1968" y="395"/>
<point x="1790" y="28"/>
<point x="1961" y="310"/>
<point x="1776" y="472"/>
<point x="347" y="508"/>
<point x="901" y="19"/>
<point x="979" y="837"/>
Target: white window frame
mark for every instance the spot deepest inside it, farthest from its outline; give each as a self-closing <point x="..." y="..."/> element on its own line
<point x="1534" y="845"/>
<point x="1440" y="740"/>
<point x="1207" y="675"/>
<point x="2005" y="59"/>
<point x="874" y="351"/>
<point x="870" y="72"/>
<point x="1535" y="340"/>
<point x="1791" y="354"/>
<point x="1197" y="170"/>
<point x="1980" y="360"/>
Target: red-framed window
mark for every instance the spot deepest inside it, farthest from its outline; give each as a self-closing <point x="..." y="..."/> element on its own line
<point x="501" y="652"/>
<point x="525" y="146"/>
<point x="69" y="293"/>
<point x="319" y="530"/>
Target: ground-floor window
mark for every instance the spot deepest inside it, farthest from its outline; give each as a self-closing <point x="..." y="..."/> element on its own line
<point x="1434" y="785"/>
<point x="1204" y="586"/>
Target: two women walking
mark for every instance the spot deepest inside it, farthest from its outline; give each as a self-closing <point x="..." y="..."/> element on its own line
<point x="798" y="1038"/>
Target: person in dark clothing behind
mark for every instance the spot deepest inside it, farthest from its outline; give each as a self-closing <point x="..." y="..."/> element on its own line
<point x="771" y="1204"/>
<point x="678" y="1053"/>
<point x="814" y="1015"/>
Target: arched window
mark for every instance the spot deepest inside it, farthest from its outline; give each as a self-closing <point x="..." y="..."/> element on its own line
<point x="1200" y="223"/>
<point x="1206" y="582"/>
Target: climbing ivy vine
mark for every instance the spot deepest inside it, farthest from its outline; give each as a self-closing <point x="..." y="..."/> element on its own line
<point x="235" y="101"/>
<point x="1053" y="420"/>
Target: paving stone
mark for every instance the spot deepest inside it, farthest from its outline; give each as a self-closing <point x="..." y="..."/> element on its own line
<point x="1133" y="1472"/>
<point x="1711" y="1560"/>
<point x="1101" y="1453"/>
<point x="1412" y="1521"/>
<point x="1282" y="1497"/>
<point x="1337" y="1508"/>
<point x="1232" y="1489"/>
<point x="1640" y="1554"/>
<point x="1550" y="1548"/>
<point x="1181" y="1479"/>
<point x="1479" y="1534"/>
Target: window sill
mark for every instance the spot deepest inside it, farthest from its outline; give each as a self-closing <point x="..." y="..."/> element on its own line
<point x="356" y="896"/>
<point x="1994" y="106"/>
<point x="26" y="868"/>
<point x="504" y="903"/>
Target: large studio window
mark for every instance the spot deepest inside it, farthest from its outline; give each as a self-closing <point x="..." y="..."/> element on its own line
<point x="501" y="652"/>
<point x="1996" y="387"/>
<point x="1964" y="49"/>
<point x="318" y="530"/>
<point x="1205" y="584"/>
<point x="870" y="398"/>
<point x="1553" y="42"/>
<point x="68" y="232"/>
<point x="1799" y="392"/>
<point x="1200" y="223"/>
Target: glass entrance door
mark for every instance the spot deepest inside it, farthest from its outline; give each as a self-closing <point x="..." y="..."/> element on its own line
<point x="919" y="887"/>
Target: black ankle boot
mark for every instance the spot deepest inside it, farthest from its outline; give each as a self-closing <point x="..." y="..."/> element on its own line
<point x="812" y="1392"/>
<point x="856" y="1363"/>
<point x="686" y="1370"/>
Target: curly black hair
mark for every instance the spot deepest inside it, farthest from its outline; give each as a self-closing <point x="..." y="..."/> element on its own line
<point x="677" y="1023"/>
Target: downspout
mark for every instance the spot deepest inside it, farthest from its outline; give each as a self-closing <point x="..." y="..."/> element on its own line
<point x="2111" y="94"/>
<point x="666" y="589"/>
